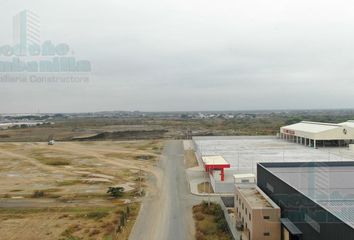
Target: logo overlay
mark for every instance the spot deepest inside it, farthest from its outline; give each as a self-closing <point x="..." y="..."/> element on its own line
<point x="29" y="60"/>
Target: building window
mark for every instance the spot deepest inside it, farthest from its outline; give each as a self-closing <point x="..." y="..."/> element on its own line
<point x="270" y="187"/>
<point x="245" y="181"/>
<point x="266" y="234"/>
<point x="266" y="217"/>
<point x="314" y="224"/>
<point x="246" y="210"/>
<point x="249" y="217"/>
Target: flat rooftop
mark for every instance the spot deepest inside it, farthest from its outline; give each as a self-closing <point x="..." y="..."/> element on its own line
<point x="243" y="153"/>
<point x="214" y="160"/>
<point x="330" y="185"/>
<point x="245" y="175"/>
<point x="254" y="198"/>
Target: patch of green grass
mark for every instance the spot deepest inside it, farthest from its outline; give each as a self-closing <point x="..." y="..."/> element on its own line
<point x="16" y="190"/>
<point x="68" y="182"/>
<point x="75" y="210"/>
<point x="97" y="214"/>
<point x="50" y="160"/>
<point x="55" y="161"/>
<point x="71" y="238"/>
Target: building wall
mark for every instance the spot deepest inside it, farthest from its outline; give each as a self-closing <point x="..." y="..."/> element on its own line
<point x="221" y="187"/>
<point x="315" y="222"/>
<point x="262" y="223"/>
<point x="266" y="221"/>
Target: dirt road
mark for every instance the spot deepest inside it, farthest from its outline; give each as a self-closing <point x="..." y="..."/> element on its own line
<point x="166" y="211"/>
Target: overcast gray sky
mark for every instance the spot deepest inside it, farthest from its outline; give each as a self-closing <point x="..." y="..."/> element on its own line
<point x="192" y="55"/>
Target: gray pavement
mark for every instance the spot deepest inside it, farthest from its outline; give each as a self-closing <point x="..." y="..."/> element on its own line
<point x="166" y="212"/>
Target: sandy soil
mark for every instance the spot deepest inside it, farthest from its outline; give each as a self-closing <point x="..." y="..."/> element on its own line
<point x="70" y="180"/>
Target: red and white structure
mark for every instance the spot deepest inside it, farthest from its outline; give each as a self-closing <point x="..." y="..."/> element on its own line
<point x="212" y="163"/>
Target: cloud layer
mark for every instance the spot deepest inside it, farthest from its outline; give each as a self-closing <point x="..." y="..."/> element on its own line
<point x="193" y="55"/>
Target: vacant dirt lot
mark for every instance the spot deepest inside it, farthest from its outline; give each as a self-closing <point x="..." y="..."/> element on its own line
<point x="59" y="192"/>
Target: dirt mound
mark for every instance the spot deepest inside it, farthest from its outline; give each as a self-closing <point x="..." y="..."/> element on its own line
<point x="125" y="135"/>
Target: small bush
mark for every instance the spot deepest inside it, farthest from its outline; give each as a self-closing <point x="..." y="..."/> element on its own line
<point x="199" y="216"/>
<point x="222" y="225"/>
<point x="197" y="208"/>
<point x="70" y="230"/>
<point x="210" y="222"/>
<point x="115" y="192"/>
<point x="144" y="157"/>
<point x="58" y="163"/>
<point x="71" y="238"/>
<point x="94" y="232"/>
<point x="97" y="215"/>
<point x="109" y="228"/>
<point x="207" y="227"/>
<point x="38" y="194"/>
<point x="199" y="236"/>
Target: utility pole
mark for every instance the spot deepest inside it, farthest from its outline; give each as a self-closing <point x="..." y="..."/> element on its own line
<point x="209" y="190"/>
<point x="204" y="182"/>
<point x="140" y="190"/>
<point x="238" y="161"/>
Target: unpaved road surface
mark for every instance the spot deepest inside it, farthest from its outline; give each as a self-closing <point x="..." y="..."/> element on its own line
<point x="167" y="210"/>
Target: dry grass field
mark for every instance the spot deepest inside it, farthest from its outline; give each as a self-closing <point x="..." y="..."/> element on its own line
<point x="210" y="222"/>
<point x="59" y="192"/>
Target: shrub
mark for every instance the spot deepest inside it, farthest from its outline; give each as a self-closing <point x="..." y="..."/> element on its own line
<point x="57" y="162"/>
<point x="97" y="215"/>
<point x="115" y="192"/>
<point x="94" y="232"/>
<point x="222" y="225"/>
<point x="199" y="236"/>
<point x="207" y="227"/>
<point x="199" y="216"/>
<point x="197" y="208"/>
<point x="38" y="194"/>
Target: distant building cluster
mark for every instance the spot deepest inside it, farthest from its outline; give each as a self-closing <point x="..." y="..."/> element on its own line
<point x="24" y="121"/>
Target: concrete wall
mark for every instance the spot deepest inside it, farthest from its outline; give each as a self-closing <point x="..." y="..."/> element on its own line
<point x="261" y="225"/>
<point x="229" y="220"/>
<point x="221" y="187"/>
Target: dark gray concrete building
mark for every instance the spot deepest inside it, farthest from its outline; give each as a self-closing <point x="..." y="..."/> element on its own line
<point x="316" y="199"/>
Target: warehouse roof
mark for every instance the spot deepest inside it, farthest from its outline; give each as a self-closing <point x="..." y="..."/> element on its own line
<point x="349" y="123"/>
<point x="329" y="184"/>
<point x="312" y="127"/>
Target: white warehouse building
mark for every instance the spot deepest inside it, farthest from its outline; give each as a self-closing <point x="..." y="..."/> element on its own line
<point x="317" y="134"/>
